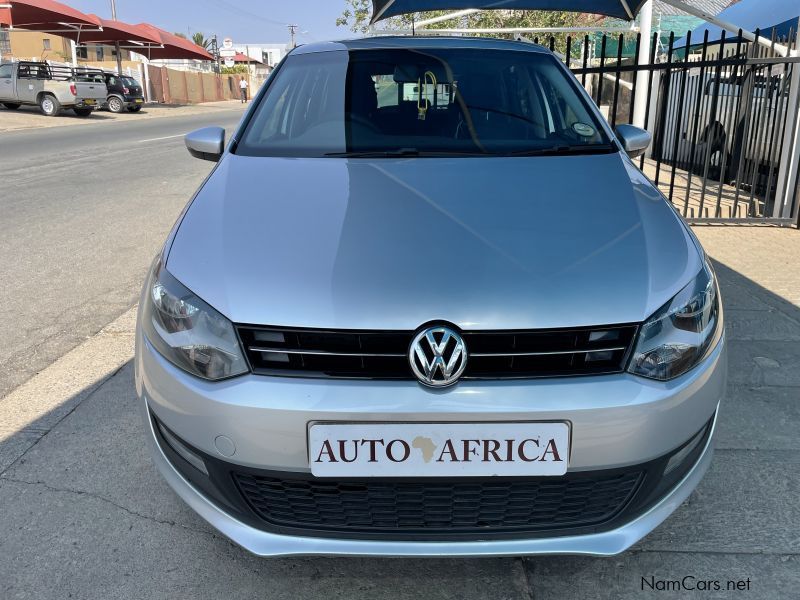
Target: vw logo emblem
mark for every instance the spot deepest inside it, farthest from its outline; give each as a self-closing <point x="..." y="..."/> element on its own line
<point x="438" y="356"/>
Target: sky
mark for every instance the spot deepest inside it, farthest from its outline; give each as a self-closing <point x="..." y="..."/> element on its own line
<point x="244" y="21"/>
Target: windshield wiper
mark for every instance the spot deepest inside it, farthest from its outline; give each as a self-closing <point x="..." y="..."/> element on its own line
<point x="566" y="149"/>
<point x="401" y="152"/>
<point x="404" y="153"/>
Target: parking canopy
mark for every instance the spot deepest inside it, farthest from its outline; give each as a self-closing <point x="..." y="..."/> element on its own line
<point x="770" y="17"/>
<point x="622" y="9"/>
<point x="114" y="31"/>
<point x="47" y="16"/>
<point x="172" y="46"/>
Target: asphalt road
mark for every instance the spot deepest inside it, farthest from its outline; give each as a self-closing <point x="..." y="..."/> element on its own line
<point x="84" y="210"/>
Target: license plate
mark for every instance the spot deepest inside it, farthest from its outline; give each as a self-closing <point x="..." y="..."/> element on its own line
<point x="88" y="101"/>
<point x="138" y="100"/>
<point x="438" y="449"/>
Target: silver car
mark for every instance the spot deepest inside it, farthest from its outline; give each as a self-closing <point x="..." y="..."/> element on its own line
<point x="425" y="304"/>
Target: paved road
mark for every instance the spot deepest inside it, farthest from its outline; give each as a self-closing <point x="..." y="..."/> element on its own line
<point x="85" y="515"/>
<point x="84" y="210"/>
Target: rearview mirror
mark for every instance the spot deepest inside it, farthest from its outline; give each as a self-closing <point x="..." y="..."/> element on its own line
<point x="207" y="143"/>
<point x="635" y="140"/>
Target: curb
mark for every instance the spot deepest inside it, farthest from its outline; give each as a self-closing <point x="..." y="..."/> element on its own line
<point x="33" y="409"/>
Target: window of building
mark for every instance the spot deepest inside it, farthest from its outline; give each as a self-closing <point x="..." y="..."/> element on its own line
<point x="5" y="43"/>
<point x="100" y="53"/>
<point x="46" y="43"/>
<point x="82" y="52"/>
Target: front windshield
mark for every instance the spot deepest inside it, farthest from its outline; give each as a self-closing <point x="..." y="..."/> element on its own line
<point x="421" y="101"/>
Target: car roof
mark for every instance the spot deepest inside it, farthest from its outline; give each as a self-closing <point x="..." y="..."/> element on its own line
<point x="416" y="41"/>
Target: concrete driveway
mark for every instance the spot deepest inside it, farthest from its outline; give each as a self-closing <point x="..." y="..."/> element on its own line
<point x="85" y="515"/>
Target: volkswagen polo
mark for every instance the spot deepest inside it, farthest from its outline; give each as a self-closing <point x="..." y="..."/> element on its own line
<point x="426" y="304"/>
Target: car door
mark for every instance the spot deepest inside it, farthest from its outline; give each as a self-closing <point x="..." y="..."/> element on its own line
<point x="6" y="88"/>
<point x="28" y="83"/>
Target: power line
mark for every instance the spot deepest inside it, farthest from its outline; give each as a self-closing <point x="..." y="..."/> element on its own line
<point x="243" y="12"/>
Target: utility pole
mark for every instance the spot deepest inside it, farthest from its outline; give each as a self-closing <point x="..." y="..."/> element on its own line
<point x="116" y="44"/>
<point x="292" y="32"/>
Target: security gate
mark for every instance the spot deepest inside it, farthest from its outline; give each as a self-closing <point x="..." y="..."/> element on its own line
<point x="721" y="113"/>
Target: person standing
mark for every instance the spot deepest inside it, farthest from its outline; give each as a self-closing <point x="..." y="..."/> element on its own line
<point x="243" y="89"/>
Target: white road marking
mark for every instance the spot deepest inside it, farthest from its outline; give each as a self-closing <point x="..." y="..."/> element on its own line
<point x="166" y="137"/>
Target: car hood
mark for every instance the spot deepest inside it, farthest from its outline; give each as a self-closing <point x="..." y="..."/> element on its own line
<point x="483" y="243"/>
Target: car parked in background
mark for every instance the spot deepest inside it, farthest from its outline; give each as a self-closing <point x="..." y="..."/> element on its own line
<point x="123" y="93"/>
<point x="51" y="87"/>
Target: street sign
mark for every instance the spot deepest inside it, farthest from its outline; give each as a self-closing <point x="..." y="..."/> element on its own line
<point x="227" y="43"/>
<point x="229" y="62"/>
<point x="227" y="52"/>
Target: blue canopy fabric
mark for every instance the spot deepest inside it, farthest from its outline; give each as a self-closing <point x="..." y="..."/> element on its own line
<point x="778" y="16"/>
<point x="383" y="9"/>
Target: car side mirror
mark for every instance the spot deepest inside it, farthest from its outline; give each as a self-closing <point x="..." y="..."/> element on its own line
<point x="207" y="143"/>
<point x="635" y="140"/>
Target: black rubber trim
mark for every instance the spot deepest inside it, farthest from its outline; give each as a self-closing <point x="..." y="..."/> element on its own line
<point x="221" y="488"/>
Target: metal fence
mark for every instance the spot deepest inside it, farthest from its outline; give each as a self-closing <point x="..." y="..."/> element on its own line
<point x="721" y="114"/>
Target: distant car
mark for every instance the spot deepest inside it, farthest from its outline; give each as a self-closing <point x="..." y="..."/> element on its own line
<point x="51" y="87"/>
<point x="123" y="92"/>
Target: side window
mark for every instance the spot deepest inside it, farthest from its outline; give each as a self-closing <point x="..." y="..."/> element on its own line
<point x="5" y="71"/>
<point x="112" y="80"/>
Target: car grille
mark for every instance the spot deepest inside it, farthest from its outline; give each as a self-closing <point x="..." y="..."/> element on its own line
<point x="384" y="354"/>
<point x="439" y="506"/>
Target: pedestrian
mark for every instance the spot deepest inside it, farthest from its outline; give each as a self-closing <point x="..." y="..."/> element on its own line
<point x="243" y="89"/>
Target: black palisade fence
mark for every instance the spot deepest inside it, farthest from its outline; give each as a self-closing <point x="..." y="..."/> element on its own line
<point x="720" y="112"/>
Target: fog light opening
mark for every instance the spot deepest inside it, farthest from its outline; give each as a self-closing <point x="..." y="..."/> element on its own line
<point x="183" y="451"/>
<point x="678" y="458"/>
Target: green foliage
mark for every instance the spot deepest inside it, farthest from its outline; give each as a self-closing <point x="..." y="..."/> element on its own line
<point x="199" y="39"/>
<point x="357" y="13"/>
<point x="235" y="70"/>
<point x="180" y="35"/>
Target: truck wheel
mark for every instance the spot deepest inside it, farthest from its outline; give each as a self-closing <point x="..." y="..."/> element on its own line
<point x="82" y="112"/>
<point x="115" y="105"/>
<point x="11" y="105"/>
<point x="49" y="105"/>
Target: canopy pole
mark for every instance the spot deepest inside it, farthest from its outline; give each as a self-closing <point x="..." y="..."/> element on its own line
<point x="116" y="44"/>
<point x="645" y="38"/>
<point x="515" y="30"/>
<point x="708" y="17"/>
<point x="453" y="15"/>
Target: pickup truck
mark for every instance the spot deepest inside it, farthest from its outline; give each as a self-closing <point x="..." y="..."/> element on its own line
<point x="51" y="87"/>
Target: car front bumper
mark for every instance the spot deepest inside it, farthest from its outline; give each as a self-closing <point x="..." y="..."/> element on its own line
<point x="616" y="421"/>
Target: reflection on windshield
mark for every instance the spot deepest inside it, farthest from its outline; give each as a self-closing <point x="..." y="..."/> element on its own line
<point x="422" y="102"/>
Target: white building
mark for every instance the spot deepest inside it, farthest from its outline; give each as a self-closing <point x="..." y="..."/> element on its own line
<point x="269" y="54"/>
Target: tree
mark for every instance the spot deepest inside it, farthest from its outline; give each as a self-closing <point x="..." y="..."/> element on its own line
<point x="180" y="35"/>
<point x="357" y="13"/>
<point x="199" y="39"/>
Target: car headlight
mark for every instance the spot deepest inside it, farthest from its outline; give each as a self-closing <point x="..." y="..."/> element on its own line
<point x="187" y="331"/>
<point x="680" y="333"/>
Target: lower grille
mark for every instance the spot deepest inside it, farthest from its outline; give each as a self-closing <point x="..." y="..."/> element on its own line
<point x="459" y="506"/>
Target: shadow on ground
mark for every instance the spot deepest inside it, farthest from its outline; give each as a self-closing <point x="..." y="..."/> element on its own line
<point x="86" y="515"/>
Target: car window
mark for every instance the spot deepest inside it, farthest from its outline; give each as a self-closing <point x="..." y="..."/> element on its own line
<point x="5" y="71"/>
<point x="442" y="101"/>
<point x="130" y="82"/>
